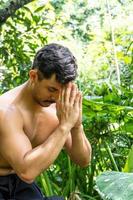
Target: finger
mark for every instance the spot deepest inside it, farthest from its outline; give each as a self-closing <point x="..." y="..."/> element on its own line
<point x="73" y="94"/>
<point x="67" y="93"/>
<point x="57" y="109"/>
<point x="80" y="100"/>
<point x="77" y="100"/>
<point x="59" y="97"/>
<point x="62" y="95"/>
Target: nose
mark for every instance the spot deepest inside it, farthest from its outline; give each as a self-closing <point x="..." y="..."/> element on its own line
<point x="52" y="98"/>
<point x="55" y="96"/>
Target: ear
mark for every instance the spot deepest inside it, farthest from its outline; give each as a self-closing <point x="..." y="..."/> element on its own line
<point x="33" y="75"/>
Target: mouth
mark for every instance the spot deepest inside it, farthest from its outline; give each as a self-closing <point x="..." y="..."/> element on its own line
<point x="49" y="102"/>
<point x="46" y="103"/>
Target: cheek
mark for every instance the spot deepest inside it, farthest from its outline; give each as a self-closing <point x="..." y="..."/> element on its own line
<point x="42" y="94"/>
<point x="57" y="95"/>
<point x="38" y="93"/>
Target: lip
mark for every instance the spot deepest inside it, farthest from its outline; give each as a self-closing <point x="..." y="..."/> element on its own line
<point x="46" y="103"/>
<point x="49" y="102"/>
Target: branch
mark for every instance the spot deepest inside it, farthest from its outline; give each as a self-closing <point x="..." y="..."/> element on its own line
<point x="10" y="9"/>
<point x="113" y="43"/>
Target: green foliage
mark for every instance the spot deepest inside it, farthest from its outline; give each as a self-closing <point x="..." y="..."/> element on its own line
<point x="105" y="124"/>
<point x="129" y="162"/>
<point x="115" y="185"/>
<point x="85" y="27"/>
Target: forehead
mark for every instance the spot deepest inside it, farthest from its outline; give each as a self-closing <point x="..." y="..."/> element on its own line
<point x="51" y="82"/>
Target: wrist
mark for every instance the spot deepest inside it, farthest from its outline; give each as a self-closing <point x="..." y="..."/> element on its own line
<point x="78" y="127"/>
<point x="64" y="128"/>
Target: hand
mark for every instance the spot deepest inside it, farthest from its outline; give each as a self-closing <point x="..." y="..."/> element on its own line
<point x="79" y="121"/>
<point x="67" y="105"/>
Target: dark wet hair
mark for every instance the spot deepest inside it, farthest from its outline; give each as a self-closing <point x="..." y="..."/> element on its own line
<point x="55" y="59"/>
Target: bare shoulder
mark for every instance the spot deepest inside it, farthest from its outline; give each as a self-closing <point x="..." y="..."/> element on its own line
<point x="10" y="114"/>
<point x="9" y="110"/>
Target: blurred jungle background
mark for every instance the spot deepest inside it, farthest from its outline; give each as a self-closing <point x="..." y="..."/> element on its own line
<point x="99" y="34"/>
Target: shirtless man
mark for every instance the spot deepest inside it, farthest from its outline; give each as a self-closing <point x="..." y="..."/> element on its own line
<point x="37" y="120"/>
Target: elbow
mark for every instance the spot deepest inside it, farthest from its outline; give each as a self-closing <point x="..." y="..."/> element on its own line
<point x="26" y="177"/>
<point x="85" y="162"/>
<point x="83" y="165"/>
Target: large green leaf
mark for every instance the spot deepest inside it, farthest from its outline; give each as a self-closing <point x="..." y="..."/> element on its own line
<point x="115" y="185"/>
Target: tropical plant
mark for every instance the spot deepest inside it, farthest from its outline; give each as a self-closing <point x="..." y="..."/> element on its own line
<point x="102" y="44"/>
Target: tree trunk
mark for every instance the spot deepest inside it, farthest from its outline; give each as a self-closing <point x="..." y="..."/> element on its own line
<point x="10" y="8"/>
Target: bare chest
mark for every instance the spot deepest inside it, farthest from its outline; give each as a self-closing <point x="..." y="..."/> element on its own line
<point x="39" y="128"/>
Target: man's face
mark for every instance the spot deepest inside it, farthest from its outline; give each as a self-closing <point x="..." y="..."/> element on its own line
<point x="46" y="91"/>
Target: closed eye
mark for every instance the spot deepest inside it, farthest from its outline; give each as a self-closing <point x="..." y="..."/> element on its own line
<point x="52" y="89"/>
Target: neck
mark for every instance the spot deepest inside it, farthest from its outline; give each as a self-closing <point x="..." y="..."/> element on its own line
<point x="26" y="98"/>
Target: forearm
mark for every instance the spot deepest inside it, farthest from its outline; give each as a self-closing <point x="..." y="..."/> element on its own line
<point x="41" y="157"/>
<point x="81" y="148"/>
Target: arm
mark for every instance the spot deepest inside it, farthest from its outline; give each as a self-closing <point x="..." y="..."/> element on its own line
<point x="16" y="148"/>
<point x="77" y="145"/>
